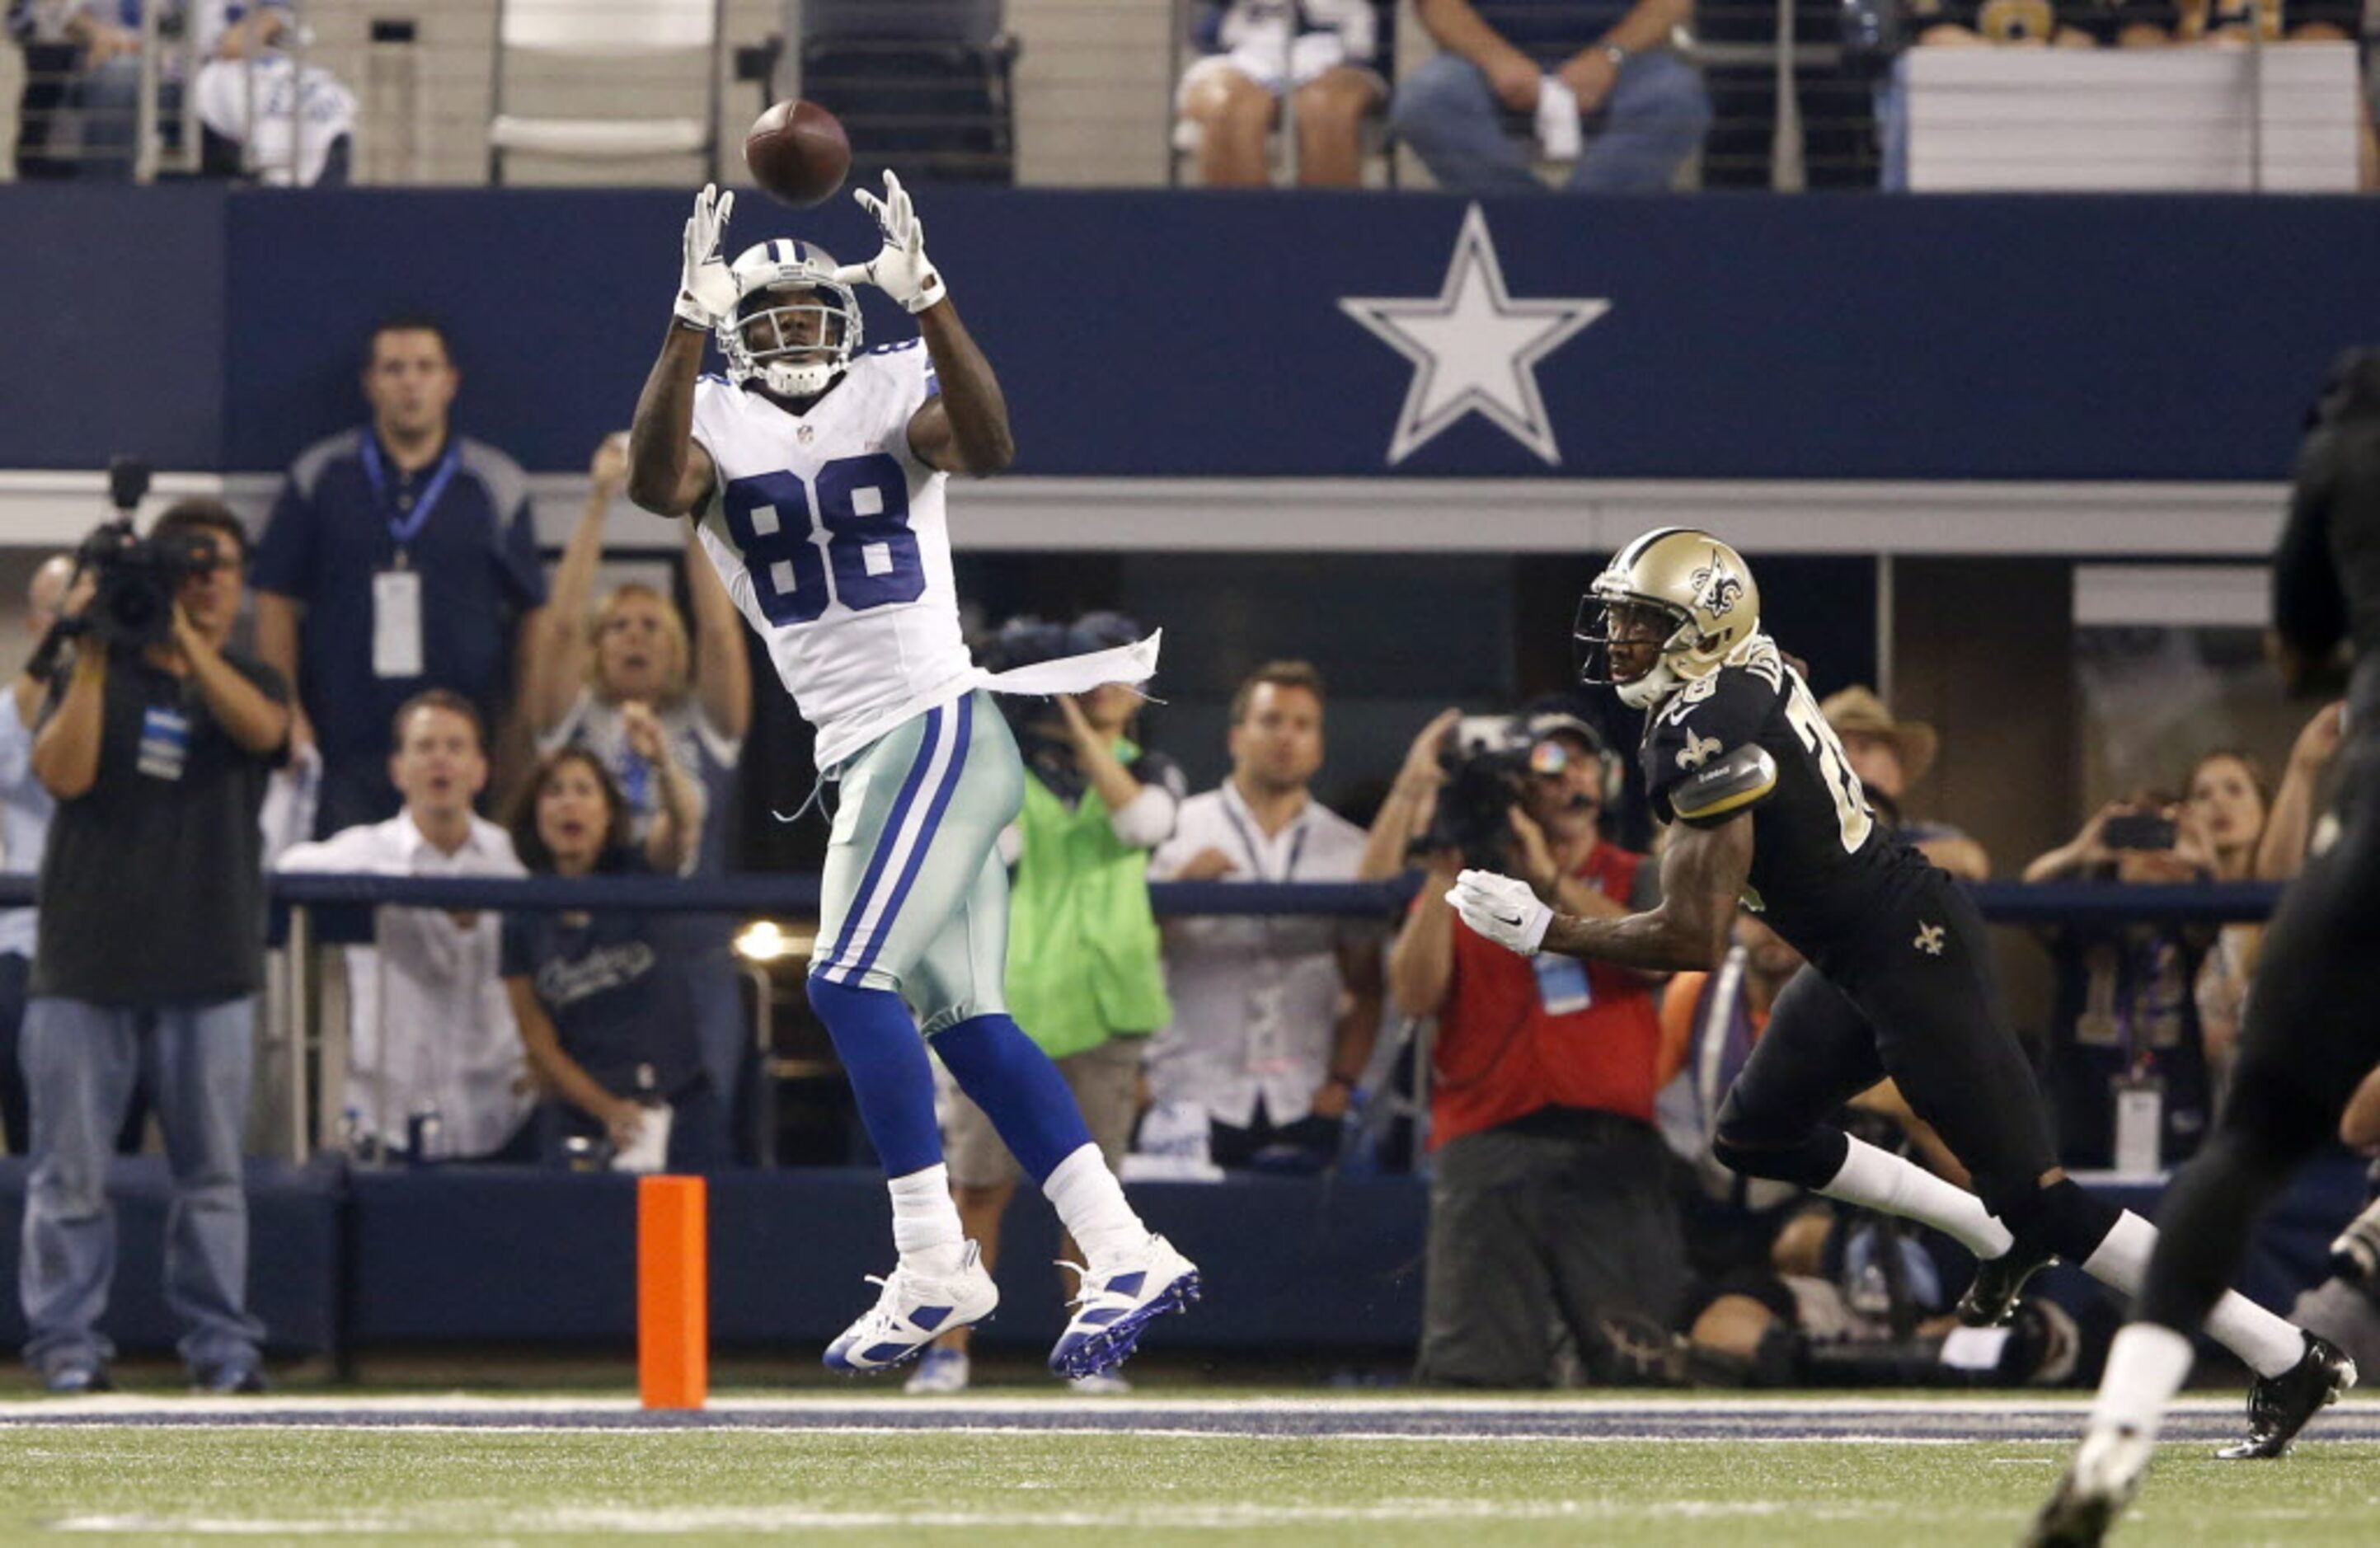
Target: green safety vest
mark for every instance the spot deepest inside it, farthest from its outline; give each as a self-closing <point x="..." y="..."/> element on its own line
<point x="1083" y="949"/>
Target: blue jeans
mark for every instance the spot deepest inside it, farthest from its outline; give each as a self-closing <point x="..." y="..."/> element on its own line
<point x="1653" y="121"/>
<point x="81" y="1060"/>
<point x="1892" y="125"/>
<point x="109" y="98"/>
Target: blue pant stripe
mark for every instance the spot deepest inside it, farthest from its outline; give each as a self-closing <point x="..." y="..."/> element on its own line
<point x="926" y="836"/>
<point x="886" y="842"/>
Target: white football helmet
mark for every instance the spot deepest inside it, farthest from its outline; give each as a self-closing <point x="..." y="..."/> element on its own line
<point x="1699" y="584"/>
<point x="796" y="326"/>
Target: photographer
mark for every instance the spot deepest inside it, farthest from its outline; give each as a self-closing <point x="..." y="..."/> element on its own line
<point x="156" y="745"/>
<point x="1550" y="1207"/>
<point x="2129" y="1034"/>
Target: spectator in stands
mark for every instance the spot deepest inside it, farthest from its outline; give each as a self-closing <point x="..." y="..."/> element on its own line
<point x="434" y="1057"/>
<point x="1981" y="24"/>
<point x="400" y="557"/>
<point x="1550" y="1206"/>
<point x="2127" y="1016"/>
<point x="90" y="50"/>
<point x="589" y="664"/>
<point x="601" y="996"/>
<point x="151" y="952"/>
<point x="1317" y="53"/>
<point x="1889" y="755"/>
<point x="1274" y="1015"/>
<point x="1562" y="65"/>
<point x="1084" y="978"/>
<point x="25" y="809"/>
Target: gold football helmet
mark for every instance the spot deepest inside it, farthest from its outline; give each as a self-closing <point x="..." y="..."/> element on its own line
<point x="1699" y="585"/>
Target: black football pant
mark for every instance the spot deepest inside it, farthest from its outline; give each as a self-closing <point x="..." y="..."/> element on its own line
<point x="1917" y="1000"/>
<point x="2313" y="1032"/>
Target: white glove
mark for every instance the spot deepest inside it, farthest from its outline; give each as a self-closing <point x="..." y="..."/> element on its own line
<point x="901" y="270"/>
<point x="1507" y="911"/>
<point x="706" y="291"/>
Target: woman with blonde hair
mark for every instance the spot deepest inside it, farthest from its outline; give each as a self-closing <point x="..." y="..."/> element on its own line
<point x="598" y="665"/>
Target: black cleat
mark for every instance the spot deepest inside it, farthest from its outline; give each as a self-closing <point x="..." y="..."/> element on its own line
<point x="2279" y="1407"/>
<point x="2097" y="1485"/>
<point x="1991" y="1300"/>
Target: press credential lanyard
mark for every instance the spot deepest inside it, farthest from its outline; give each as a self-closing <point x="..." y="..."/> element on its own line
<point x="396" y="591"/>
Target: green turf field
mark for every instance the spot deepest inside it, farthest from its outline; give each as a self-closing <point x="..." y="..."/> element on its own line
<point x="148" y="1485"/>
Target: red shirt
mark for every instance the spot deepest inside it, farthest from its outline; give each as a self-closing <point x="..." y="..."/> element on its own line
<point x="1501" y="1055"/>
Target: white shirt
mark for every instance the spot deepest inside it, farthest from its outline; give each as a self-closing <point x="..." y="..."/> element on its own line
<point x="831" y="536"/>
<point x="452" y="1044"/>
<point x="1255" y="999"/>
<point x="25" y="808"/>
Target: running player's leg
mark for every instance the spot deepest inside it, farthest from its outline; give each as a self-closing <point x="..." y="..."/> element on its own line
<point x="1945" y="1040"/>
<point x="1817" y="1052"/>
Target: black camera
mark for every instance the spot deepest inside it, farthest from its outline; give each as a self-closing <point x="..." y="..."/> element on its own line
<point x="133" y="605"/>
<point x="2145" y="830"/>
<point x="1475" y="805"/>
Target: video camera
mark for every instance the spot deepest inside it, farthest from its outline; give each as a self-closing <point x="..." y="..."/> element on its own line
<point x="133" y="607"/>
<point x="1487" y="762"/>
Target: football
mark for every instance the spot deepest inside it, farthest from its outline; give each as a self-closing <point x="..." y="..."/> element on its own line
<point x="799" y="151"/>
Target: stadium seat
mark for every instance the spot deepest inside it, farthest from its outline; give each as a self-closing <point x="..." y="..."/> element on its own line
<point x="604" y="29"/>
<point x="921" y="85"/>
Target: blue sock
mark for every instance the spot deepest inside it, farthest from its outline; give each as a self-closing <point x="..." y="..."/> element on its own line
<point x="1006" y="1074"/>
<point x="886" y="1060"/>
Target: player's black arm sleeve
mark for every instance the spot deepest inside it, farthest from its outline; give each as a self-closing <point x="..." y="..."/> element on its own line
<point x="668" y="473"/>
<point x="1703" y="873"/>
<point x="964" y="428"/>
<point x="2308" y="607"/>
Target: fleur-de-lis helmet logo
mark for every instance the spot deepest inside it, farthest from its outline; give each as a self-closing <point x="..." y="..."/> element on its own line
<point x="1716" y="589"/>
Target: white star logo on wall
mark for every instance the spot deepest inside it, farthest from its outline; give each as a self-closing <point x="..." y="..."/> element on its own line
<point x="1474" y="348"/>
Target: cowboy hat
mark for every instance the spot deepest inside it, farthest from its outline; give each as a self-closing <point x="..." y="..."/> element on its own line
<point x="1856" y="712"/>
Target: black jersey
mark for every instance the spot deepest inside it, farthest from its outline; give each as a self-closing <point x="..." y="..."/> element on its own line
<point x="1822" y="865"/>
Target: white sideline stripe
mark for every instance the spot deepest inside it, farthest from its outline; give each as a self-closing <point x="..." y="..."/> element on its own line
<point x="945" y="729"/>
<point x="1066" y="1431"/>
<point x="777" y="1519"/>
<point x="1650" y="1408"/>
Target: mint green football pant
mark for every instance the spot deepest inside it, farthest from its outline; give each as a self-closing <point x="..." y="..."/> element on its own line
<point x="915" y="897"/>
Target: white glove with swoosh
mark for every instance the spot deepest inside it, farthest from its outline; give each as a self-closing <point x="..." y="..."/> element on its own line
<point x="1506" y="910"/>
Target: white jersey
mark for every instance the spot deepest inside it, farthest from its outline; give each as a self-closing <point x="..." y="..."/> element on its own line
<point x="832" y="538"/>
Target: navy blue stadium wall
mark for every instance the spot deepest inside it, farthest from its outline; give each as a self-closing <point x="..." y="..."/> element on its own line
<point x="530" y="1258"/>
<point x="1153" y="334"/>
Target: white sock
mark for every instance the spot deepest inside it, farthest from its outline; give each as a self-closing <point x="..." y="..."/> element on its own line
<point x="925" y="1226"/>
<point x="2268" y="1343"/>
<point x="1090" y="1201"/>
<point x="2146" y="1365"/>
<point x="1878" y="1181"/>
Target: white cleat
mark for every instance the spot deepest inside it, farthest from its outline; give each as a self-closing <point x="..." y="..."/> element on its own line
<point x="1107" y="1384"/>
<point x="2100" y="1482"/>
<point x="1116" y="1301"/>
<point x="913" y="1312"/>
